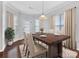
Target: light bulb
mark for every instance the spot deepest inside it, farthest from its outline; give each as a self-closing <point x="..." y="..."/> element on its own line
<point x="43" y="17"/>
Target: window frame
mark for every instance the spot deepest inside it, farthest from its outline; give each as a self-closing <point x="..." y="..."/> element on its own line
<point x="60" y="25"/>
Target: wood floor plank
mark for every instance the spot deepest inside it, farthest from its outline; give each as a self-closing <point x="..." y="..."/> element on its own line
<point x="13" y="51"/>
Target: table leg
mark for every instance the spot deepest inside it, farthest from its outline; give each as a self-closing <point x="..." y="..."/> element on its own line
<point x="60" y="49"/>
<point x="55" y="50"/>
<point x="52" y="51"/>
<point x="49" y="51"/>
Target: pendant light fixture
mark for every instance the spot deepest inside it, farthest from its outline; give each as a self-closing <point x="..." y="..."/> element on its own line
<point x="42" y="17"/>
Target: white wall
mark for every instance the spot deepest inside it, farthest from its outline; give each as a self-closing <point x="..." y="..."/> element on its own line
<point x="1" y="42"/>
<point x="77" y="25"/>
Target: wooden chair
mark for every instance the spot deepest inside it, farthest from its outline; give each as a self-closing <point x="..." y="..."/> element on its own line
<point x="35" y="50"/>
<point x="25" y="47"/>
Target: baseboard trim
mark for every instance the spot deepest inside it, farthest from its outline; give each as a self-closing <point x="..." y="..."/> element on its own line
<point x="15" y="40"/>
<point x="2" y="50"/>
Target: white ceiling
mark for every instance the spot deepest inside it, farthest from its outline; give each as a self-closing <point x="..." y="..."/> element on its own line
<point x="34" y="7"/>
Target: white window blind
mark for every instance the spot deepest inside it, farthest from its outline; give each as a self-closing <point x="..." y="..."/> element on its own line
<point x="27" y="27"/>
<point x="37" y="25"/>
<point x="59" y="22"/>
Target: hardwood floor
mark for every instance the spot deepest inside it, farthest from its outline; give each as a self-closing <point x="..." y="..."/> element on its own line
<point x="14" y="52"/>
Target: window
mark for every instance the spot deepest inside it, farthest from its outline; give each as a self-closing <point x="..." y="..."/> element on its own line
<point x="27" y="26"/>
<point x="37" y="29"/>
<point x="59" y="22"/>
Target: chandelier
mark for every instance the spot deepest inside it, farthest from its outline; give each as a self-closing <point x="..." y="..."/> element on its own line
<point x="42" y="15"/>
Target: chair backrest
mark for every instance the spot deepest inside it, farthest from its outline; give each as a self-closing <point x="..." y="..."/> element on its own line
<point x="25" y="38"/>
<point x="31" y="44"/>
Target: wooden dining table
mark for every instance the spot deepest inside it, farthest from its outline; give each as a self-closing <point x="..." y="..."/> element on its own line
<point x="54" y="43"/>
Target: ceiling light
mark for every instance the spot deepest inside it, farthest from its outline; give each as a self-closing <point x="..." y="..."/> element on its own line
<point x="42" y="17"/>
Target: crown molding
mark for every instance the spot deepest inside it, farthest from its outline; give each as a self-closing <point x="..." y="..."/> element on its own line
<point x="61" y="8"/>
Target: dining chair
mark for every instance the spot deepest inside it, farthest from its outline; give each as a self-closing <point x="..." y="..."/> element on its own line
<point x="25" y="47"/>
<point x="40" y="43"/>
<point x="35" y="50"/>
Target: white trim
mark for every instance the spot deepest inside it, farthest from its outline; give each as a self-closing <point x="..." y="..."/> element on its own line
<point x="2" y="50"/>
<point x="61" y="8"/>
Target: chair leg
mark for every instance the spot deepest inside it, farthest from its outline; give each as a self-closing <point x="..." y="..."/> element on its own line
<point x="23" y="47"/>
<point x="46" y="54"/>
<point x="28" y="54"/>
<point x="26" y="50"/>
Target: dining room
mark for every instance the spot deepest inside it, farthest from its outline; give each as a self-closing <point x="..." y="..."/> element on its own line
<point x="39" y="29"/>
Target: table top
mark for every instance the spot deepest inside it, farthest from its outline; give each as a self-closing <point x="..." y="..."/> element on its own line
<point x="50" y="38"/>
